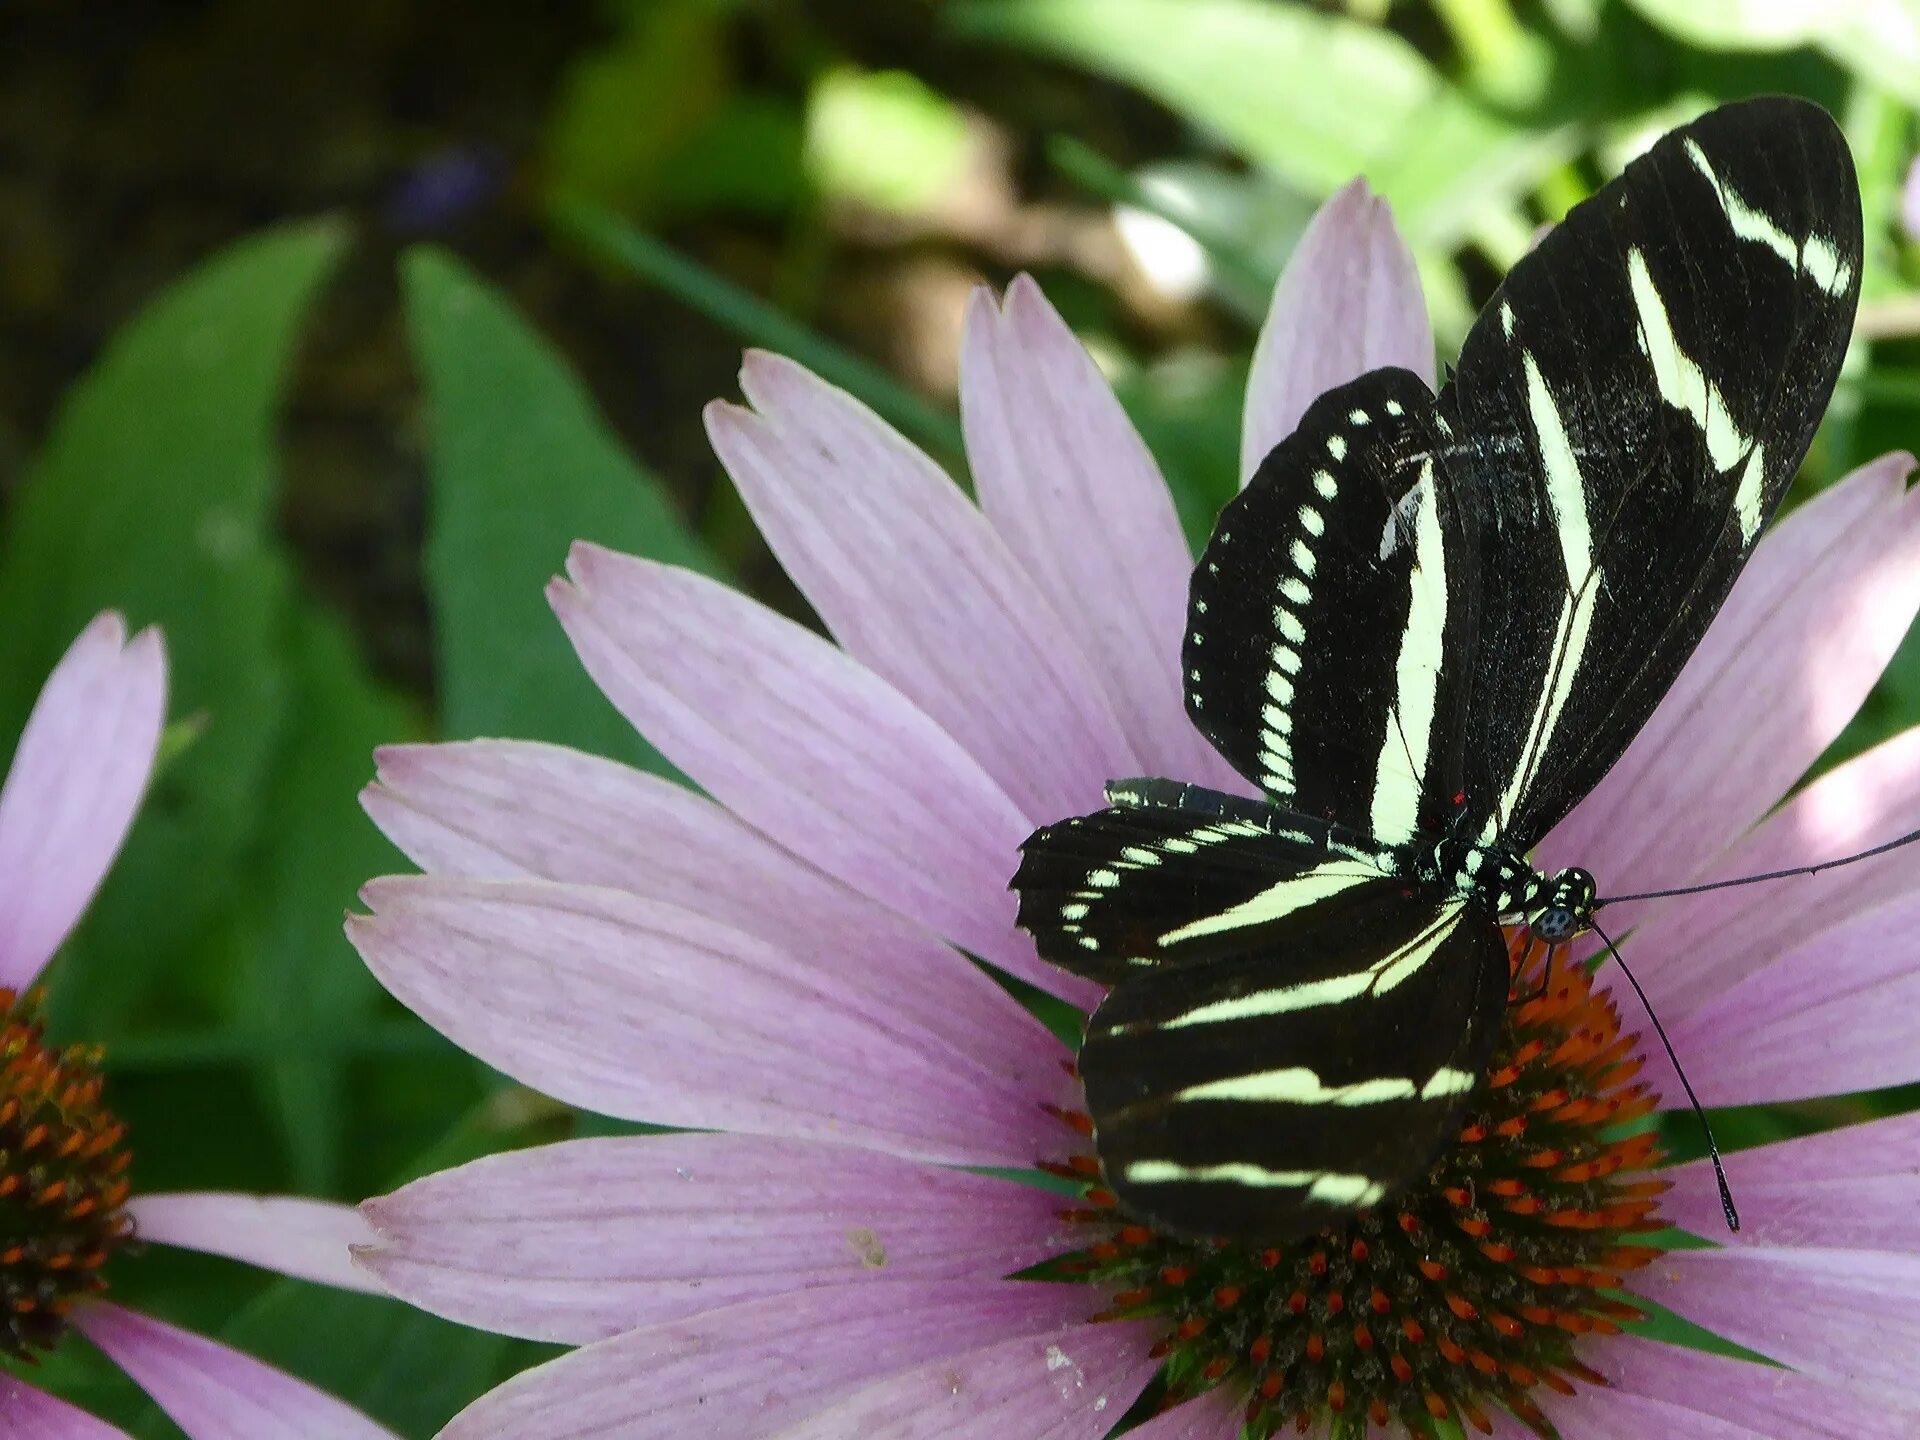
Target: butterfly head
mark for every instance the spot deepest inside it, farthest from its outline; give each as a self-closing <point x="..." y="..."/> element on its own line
<point x="1563" y="907"/>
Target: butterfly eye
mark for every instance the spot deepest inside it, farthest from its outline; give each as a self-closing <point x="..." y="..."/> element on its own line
<point x="1555" y="924"/>
<point x="1568" y="911"/>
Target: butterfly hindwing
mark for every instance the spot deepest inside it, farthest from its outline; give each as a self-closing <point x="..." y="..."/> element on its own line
<point x="1323" y="610"/>
<point x="1177" y="876"/>
<point x="1626" y="415"/>
<point x="1265" y="1096"/>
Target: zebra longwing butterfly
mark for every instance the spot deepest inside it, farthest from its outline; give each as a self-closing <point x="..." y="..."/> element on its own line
<point x="1425" y="630"/>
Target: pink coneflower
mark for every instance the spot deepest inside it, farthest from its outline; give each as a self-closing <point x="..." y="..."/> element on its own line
<point x="66" y="1205"/>
<point x="782" y="964"/>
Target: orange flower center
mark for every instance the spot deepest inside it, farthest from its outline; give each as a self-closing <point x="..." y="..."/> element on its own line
<point x="1459" y="1298"/>
<point x="63" y="1187"/>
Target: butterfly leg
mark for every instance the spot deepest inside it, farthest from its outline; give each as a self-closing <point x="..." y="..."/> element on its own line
<point x="1546" y="976"/>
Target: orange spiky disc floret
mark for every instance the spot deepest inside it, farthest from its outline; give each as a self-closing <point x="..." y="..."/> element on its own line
<point x="1459" y="1299"/>
<point x="63" y="1186"/>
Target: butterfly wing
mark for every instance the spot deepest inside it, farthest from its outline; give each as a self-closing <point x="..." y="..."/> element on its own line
<point x="1323" y="612"/>
<point x="1422" y="614"/>
<point x="1265" y="1096"/>
<point x="1174" y="876"/>
<point x="1626" y="415"/>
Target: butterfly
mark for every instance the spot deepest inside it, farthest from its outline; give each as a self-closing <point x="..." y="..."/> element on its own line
<point x="1426" y="628"/>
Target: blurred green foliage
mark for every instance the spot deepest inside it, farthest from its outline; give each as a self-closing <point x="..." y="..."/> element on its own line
<point x="1878" y="39"/>
<point x="520" y="467"/>
<point x="247" y="1047"/>
<point x="1311" y="98"/>
<point x="884" y="140"/>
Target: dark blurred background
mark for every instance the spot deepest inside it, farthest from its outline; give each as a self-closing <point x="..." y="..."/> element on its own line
<point x="860" y="165"/>
<point x="136" y="139"/>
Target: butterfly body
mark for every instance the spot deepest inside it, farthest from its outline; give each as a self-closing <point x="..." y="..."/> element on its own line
<point x="1423" y="632"/>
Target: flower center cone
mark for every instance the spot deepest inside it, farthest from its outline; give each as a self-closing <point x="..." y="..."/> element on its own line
<point x="63" y="1187"/>
<point x="1458" y="1298"/>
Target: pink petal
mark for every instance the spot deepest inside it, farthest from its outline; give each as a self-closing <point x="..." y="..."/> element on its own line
<point x="579" y="1241"/>
<point x="912" y="580"/>
<point x="1348" y="302"/>
<point x="808" y="746"/>
<point x="1855" y="1188"/>
<point x="749" y="1371"/>
<point x="647" y="1011"/>
<point x="1696" y="947"/>
<point x="1849" y="1317"/>
<point x="310" y="1239"/>
<point x="1803" y="637"/>
<point x="1067" y="483"/>
<point x="1671" y="1389"/>
<point x="1072" y="1385"/>
<point x="214" y="1393"/>
<point x="1601" y="1415"/>
<point x="509" y="809"/>
<point x="30" y="1414"/>
<point x="1505" y="1427"/>
<point x="1838" y="1012"/>
<point x="1216" y="1415"/>
<point x="76" y="781"/>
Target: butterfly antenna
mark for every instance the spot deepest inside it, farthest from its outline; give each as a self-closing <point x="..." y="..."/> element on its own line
<point x="1713" y="1147"/>
<point x="1815" y="869"/>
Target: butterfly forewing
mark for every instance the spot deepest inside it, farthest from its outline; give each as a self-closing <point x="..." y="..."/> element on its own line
<point x="1272" y="1093"/>
<point x="1626" y="415"/>
<point x="1323" y="612"/>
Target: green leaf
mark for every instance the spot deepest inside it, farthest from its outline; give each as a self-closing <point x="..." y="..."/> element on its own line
<point x="757" y="322"/>
<point x="298" y="978"/>
<point x="1877" y="39"/>
<point x="748" y="160"/>
<point x="884" y="139"/>
<point x="654" y="122"/>
<point x="1313" y="98"/>
<point x="626" y="110"/>
<point x="521" y="466"/>
<point x="156" y="494"/>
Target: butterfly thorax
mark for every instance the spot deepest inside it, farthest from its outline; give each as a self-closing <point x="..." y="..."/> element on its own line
<point x="1556" y="908"/>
